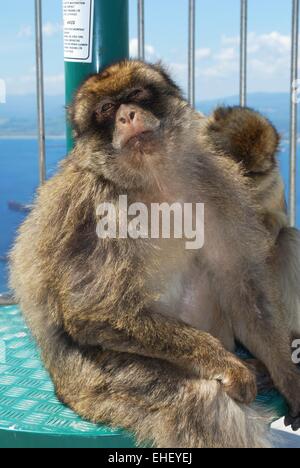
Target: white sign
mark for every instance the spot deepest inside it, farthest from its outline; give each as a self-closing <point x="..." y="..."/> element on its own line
<point x="78" y="30"/>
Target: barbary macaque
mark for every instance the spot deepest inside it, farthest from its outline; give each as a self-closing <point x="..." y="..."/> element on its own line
<point x="251" y="140"/>
<point x="126" y="326"/>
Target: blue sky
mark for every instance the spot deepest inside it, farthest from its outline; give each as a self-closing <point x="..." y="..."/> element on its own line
<point x="166" y="39"/>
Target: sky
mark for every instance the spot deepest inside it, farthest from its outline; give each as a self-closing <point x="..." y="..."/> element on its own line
<point x="217" y="44"/>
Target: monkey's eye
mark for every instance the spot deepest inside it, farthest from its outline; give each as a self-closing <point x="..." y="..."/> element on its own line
<point x="137" y="94"/>
<point x="105" y="109"/>
<point x="108" y="106"/>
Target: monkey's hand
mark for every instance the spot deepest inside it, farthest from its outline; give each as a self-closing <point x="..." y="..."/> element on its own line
<point x="238" y="381"/>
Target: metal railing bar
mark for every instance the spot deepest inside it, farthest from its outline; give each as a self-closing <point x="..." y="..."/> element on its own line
<point x="40" y="89"/>
<point x="141" y="29"/>
<point x="7" y="300"/>
<point x="294" y="112"/>
<point x="243" y="52"/>
<point x="192" y="52"/>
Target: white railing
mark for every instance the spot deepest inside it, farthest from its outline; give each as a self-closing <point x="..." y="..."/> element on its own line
<point x="40" y="89"/>
<point x="243" y="53"/>
<point x="294" y="112"/>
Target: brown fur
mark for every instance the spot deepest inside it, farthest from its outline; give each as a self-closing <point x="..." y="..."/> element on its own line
<point x="123" y="325"/>
<point x="252" y="141"/>
<point x="258" y="161"/>
<point x="245" y="136"/>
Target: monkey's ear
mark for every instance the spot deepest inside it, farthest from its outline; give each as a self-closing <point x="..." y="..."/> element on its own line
<point x="80" y="112"/>
<point x="246" y="136"/>
<point x="70" y="110"/>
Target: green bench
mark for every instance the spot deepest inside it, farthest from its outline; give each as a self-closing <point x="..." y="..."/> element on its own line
<point x="31" y="415"/>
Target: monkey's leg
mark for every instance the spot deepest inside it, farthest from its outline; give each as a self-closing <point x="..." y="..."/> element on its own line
<point x="158" y="402"/>
<point x="250" y="297"/>
<point x="287" y="261"/>
<point x="249" y="292"/>
<point x="265" y="333"/>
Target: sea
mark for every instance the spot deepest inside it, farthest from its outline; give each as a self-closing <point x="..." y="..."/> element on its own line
<point x="19" y="181"/>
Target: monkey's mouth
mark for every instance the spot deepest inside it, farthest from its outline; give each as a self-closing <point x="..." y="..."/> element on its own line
<point x="139" y="140"/>
<point x="140" y="137"/>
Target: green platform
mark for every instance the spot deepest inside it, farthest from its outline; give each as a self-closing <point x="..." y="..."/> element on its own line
<point x="31" y="415"/>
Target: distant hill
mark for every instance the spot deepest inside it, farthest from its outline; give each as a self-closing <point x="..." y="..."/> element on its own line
<point x="18" y="116"/>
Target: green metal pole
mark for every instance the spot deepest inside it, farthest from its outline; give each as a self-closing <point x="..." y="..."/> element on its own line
<point x="109" y="43"/>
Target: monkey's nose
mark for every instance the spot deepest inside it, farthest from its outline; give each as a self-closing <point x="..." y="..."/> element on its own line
<point x="126" y="115"/>
<point x="131" y="122"/>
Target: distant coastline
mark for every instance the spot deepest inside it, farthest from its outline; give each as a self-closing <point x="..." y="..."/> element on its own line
<point x="31" y="137"/>
<point x="18" y="119"/>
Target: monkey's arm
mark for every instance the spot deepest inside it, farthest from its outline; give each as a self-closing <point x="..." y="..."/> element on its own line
<point x="153" y="335"/>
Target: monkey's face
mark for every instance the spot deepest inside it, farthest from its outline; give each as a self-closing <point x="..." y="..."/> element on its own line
<point x="125" y="120"/>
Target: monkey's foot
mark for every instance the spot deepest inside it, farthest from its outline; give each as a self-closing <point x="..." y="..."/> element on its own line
<point x="293" y="422"/>
<point x="292" y="388"/>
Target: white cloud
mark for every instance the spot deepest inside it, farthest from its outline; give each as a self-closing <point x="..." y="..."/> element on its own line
<point x="25" y="32"/>
<point x="273" y="41"/>
<point x="268" y="54"/>
<point x="51" y="29"/>
<point x="179" y="72"/>
<point x="217" y="69"/>
<point x="134" y="46"/>
<point x="230" y="41"/>
<point x="203" y="53"/>
<point x="55" y="81"/>
<point x="268" y="65"/>
<point x="2" y="91"/>
<point x="224" y="63"/>
<point x="269" y="57"/>
<point x="178" y="67"/>
<point x="227" y="54"/>
<point x="26" y="84"/>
